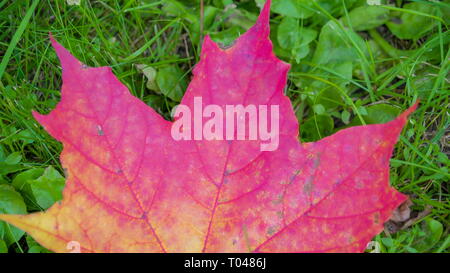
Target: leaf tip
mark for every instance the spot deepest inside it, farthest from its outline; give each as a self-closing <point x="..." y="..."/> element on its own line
<point x="414" y="107"/>
<point x="67" y="60"/>
<point x="52" y="38"/>
<point x="40" y="118"/>
<point x="410" y="110"/>
<point x="263" y="19"/>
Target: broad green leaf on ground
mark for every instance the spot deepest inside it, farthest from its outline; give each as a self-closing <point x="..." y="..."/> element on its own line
<point x="294" y="8"/>
<point x="291" y="36"/>
<point x="171" y="82"/>
<point x="13" y="158"/>
<point x="336" y="8"/>
<point x="131" y="187"/>
<point x="43" y="187"/>
<point x="345" y="117"/>
<point x="432" y="232"/>
<point x="412" y="25"/>
<point x="11" y="202"/>
<point x="156" y="102"/>
<point x="10" y="163"/>
<point x="3" y="247"/>
<point x="334" y="59"/>
<point x="336" y="49"/>
<point x="366" y="17"/>
<point x="317" y="127"/>
<point x="20" y="183"/>
<point x="150" y="74"/>
<point x="15" y="135"/>
<point x="378" y="113"/>
<point x="303" y="9"/>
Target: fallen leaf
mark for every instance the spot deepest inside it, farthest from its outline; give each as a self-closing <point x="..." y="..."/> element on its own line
<point x="414" y="25"/>
<point x="150" y="73"/>
<point x="10" y="202"/>
<point x="40" y="187"/>
<point x="132" y="188"/>
<point x="403" y="212"/>
<point x="366" y="17"/>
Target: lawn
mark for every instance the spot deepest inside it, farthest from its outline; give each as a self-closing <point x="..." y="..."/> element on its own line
<point x="353" y="62"/>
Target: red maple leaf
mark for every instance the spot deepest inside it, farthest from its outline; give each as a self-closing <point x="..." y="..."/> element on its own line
<point x="132" y="188"/>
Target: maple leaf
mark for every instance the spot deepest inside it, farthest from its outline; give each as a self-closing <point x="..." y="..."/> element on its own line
<point x="132" y="188"/>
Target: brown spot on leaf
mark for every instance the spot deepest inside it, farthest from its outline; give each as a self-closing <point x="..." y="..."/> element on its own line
<point x="307" y="188"/>
<point x="271" y="230"/>
<point x="376" y="218"/>
<point x="100" y="130"/>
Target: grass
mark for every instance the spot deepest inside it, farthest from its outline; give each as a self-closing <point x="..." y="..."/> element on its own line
<point x="384" y="80"/>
